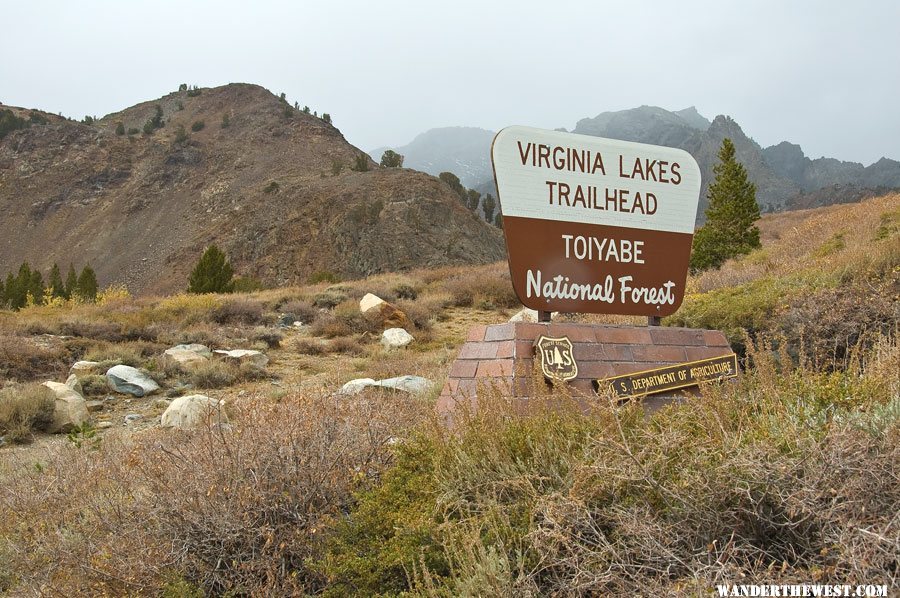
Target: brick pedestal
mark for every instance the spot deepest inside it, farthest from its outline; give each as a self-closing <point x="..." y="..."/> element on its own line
<point x="503" y="355"/>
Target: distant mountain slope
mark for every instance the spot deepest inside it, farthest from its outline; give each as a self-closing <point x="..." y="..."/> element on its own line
<point x="464" y="151"/>
<point x="273" y="189"/>
<point x="785" y="178"/>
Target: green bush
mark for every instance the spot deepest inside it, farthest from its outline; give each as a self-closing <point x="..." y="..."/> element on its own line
<point x="272" y="187"/>
<point x="180" y="134"/>
<point x="212" y="274"/>
<point x="120" y="128"/>
<point x="360" y="163"/>
<point x="198" y="126"/>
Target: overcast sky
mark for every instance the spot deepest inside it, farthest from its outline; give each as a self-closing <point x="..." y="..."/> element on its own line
<point x="823" y="74"/>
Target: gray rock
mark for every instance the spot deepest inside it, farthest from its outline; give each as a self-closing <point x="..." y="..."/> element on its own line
<point x="94" y="406"/>
<point x="242" y="356"/>
<point x="133" y="417"/>
<point x="194" y="411"/>
<point x="129" y="380"/>
<point x="195" y="348"/>
<point x="69" y="409"/>
<point x="104" y="425"/>
<point x="396" y="338"/>
<point x="286" y="320"/>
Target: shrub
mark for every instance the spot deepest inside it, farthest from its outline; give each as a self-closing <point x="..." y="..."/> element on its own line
<point x="180" y="134"/>
<point x="271" y="338"/>
<point x="405" y="291"/>
<point x="360" y="163"/>
<point x="391" y="159"/>
<point x="226" y="121"/>
<point x="336" y="167"/>
<point x="239" y="311"/>
<point x="247" y="284"/>
<point x="212" y="274"/>
<point x="133" y="131"/>
<point x="482" y="289"/>
<point x="194" y="92"/>
<point x="25" y="409"/>
<point x="326" y="117"/>
<point x="120" y="128"/>
<point x="212" y="374"/>
<point x="272" y="187"/>
<point x="346" y="346"/>
<point x="198" y="125"/>
<point x="320" y="276"/>
<point x="328" y="299"/>
<point x="303" y="311"/>
<point x="309" y="346"/>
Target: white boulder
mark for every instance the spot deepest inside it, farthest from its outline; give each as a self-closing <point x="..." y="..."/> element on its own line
<point x="75" y="384"/>
<point x="193" y="411"/>
<point x="529" y="315"/>
<point x="129" y="380"/>
<point x="242" y="356"/>
<point x="410" y="384"/>
<point x="69" y="410"/>
<point x="395" y="338"/>
<point x="370" y="301"/>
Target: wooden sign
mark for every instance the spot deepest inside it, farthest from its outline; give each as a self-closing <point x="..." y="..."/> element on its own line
<point x="595" y="225"/>
<point x="557" y="358"/>
<point x="671" y="377"/>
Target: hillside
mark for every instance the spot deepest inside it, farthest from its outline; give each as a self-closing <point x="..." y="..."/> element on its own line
<point x="274" y="189"/>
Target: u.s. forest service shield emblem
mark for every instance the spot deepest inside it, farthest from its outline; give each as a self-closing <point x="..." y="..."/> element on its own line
<point x="557" y="359"/>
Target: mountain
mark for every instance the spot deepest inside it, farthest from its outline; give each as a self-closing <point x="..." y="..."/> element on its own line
<point x="785" y="178"/>
<point x="274" y="189"/>
<point x="464" y="151"/>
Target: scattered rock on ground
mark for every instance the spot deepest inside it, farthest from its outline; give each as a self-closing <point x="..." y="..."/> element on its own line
<point x="386" y="314"/>
<point x="410" y="384"/>
<point x="129" y="380"/>
<point x="242" y="356"/>
<point x="185" y="356"/>
<point x="94" y="406"/>
<point x="395" y="338"/>
<point x="133" y="417"/>
<point x="355" y="386"/>
<point x="69" y="410"/>
<point x="193" y="411"/>
<point x="104" y="425"/>
<point x="84" y="368"/>
<point x="529" y="315"/>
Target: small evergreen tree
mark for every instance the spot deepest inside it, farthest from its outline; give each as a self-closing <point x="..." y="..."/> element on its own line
<point x="453" y="180"/>
<point x="87" y="287"/>
<point x="391" y="159"/>
<point x="226" y="122"/>
<point x="10" y="290"/>
<point x="729" y="230"/>
<point x="57" y="288"/>
<point x="180" y="134"/>
<point x="36" y="287"/>
<point x="71" y="282"/>
<point x="120" y="128"/>
<point x="488" y="206"/>
<point x="183" y="87"/>
<point x="326" y="117"/>
<point x="498" y="220"/>
<point x="360" y="163"/>
<point x="2" y="295"/>
<point x="472" y="199"/>
<point x="212" y="274"/>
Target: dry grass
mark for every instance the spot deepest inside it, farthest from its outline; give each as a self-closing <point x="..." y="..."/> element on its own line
<point x="24" y="409"/>
<point x="821" y="244"/>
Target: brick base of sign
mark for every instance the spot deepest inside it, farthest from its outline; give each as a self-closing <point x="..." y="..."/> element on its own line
<point x="502" y="355"/>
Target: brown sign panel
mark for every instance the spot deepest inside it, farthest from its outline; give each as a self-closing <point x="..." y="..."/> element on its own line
<point x="595" y="225"/>
<point x="557" y="358"/>
<point x="671" y="377"/>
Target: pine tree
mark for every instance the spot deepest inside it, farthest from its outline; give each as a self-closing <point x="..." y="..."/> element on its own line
<point x="729" y="230"/>
<point x="87" y="287"/>
<point x="391" y="159"/>
<point x="212" y="274"/>
<point x="36" y="287"/>
<point x="71" y="282"/>
<point x="488" y="206"/>
<point x="57" y="288"/>
<point x="473" y="198"/>
<point x="2" y="295"/>
<point x="10" y="290"/>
